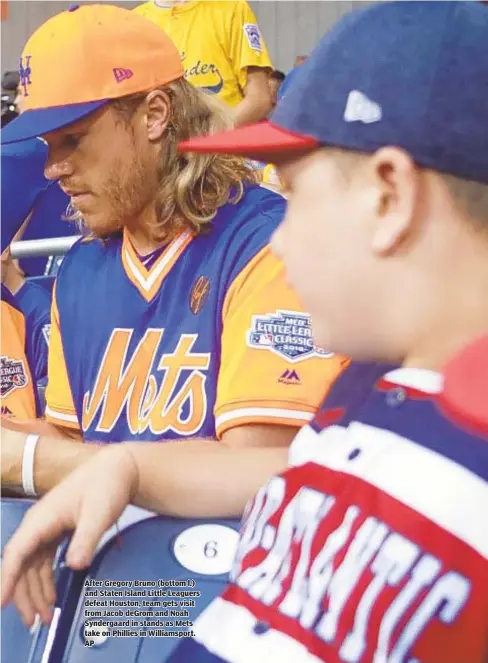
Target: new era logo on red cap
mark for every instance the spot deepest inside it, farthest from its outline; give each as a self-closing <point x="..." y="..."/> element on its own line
<point x="122" y="74"/>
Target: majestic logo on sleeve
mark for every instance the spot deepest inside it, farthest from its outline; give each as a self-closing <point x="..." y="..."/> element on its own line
<point x="152" y="391"/>
<point x="12" y="374"/>
<point x="289" y="377"/>
<point x="285" y="333"/>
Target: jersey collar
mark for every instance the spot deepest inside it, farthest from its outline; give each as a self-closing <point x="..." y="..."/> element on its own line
<point x="418" y="380"/>
<point x="149" y="281"/>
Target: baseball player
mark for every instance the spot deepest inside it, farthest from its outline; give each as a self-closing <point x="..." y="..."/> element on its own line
<point x="172" y="320"/>
<point x="372" y="546"/>
<point x="221" y="49"/>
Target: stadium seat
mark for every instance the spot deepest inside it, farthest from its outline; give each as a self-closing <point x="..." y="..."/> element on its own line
<point x="19" y="644"/>
<point x="16" y="638"/>
<point x="156" y="548"/>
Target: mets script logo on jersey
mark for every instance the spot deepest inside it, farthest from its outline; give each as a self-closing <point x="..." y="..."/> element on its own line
<point x="286" y="333"/>
<point x="12" y="374"/>
<point x="344" y="577"/>
<point x="151" y="391"/>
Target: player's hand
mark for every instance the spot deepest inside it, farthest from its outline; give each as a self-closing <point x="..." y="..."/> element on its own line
<point x="87" y="502"/>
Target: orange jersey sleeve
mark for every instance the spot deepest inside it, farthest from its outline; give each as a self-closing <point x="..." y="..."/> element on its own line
<point x="60" y="409"/>
<point x="270" y="370"/>
<point x="18" y="398"/>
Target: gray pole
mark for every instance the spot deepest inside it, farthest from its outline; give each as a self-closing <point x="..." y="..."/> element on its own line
<point x="37" y="248"/>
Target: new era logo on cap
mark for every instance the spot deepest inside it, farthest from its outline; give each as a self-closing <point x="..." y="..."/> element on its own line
<point x="122" y="74"/>
<point x="359" y="108"/>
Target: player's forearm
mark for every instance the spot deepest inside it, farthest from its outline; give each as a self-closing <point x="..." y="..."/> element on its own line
<point x="252" y="109"/>
<point x="201" y="479"/>
<point x="54" y="459"/>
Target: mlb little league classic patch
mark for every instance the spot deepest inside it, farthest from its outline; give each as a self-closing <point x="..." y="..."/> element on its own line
<point x="12" y="375"/>
<point x="287" y="334"/>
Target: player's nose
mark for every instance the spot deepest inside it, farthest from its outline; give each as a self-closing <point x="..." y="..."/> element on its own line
<point x="57" y="169"/>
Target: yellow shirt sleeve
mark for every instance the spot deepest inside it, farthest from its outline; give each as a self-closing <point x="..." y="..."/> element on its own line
<point x="246" y="46"/>
<point x="270" y="371"/>
<point x="60" y="408"/>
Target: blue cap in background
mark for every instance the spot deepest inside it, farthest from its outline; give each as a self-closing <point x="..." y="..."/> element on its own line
<point x="26" y="190"/>
<point x="23" y="182"/>
<point x="410" y="74"/>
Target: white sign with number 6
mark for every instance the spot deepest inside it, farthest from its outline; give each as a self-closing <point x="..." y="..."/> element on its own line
<point x="206" y="549"/>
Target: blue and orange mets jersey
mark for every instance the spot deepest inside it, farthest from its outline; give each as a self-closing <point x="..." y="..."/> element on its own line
<point x="372" y="546"/>
<point x="18" y="393"/>
<point x="210" y="337"/>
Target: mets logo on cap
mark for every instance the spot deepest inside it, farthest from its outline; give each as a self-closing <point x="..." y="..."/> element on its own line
<point x="285" y="333"/>
<point x="12" y="375"/>
<point x="25" y="72"/>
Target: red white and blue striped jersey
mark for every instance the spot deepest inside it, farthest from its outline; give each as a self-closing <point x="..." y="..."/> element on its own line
<point x="371" y="547"/>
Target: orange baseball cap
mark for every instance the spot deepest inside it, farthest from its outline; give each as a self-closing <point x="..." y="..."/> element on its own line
<point x="82" y="58"/>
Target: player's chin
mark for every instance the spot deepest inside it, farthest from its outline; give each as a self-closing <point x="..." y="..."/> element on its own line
<point x="99" y="223"/>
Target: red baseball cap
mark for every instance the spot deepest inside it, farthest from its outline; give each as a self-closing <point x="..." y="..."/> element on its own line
<point x="261" y="141"/>
<point x="465" y="394"/>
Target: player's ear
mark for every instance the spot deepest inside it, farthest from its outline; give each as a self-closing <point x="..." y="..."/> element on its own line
<point x="158" y="108"/>
<point x="397" y="182"/>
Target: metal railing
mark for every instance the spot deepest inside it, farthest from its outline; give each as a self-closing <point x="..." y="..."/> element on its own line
<point x="38" y="248"/>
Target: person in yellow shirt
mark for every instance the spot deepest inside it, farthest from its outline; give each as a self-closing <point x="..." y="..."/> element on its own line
<point x="222" y="51"/>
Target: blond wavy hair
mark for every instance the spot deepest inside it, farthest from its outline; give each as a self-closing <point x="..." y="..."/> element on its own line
<point x="192" y="186"/>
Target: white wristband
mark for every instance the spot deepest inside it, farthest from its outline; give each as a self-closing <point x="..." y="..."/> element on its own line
<point x="28" y="465"/>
